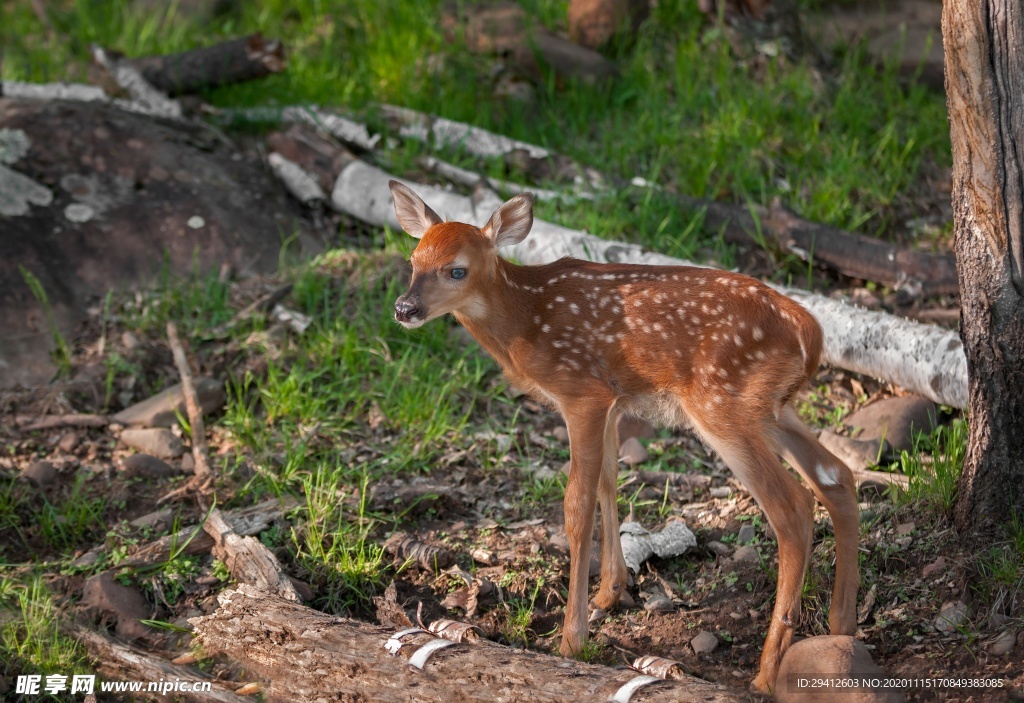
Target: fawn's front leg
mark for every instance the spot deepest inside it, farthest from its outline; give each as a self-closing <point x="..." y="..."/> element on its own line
<point x="613" y="565"/>
<point x="586" y="425"/>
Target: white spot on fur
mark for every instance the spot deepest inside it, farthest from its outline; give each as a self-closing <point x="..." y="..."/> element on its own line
<point x="826" y="475"/>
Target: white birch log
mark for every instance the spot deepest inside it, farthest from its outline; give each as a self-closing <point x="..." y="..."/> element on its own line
<point x="145" y="98"/>
<point x="53" y="91"/>
<point x="924" y="359"/>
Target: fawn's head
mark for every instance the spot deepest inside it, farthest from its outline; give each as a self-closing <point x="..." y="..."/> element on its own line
<point x="454" y="263"/>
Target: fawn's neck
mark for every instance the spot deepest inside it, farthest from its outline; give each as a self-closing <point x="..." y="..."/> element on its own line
<point x="500" y="318"/>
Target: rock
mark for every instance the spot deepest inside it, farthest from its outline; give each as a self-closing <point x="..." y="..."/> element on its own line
<point x="659" y="604"/>
<point x="1003" y="644"/>
<point x="720" y="492"/>
<point x="905" y="528"/>
<point x="704" y="643"/>
<point x="632" y="452"/>
<point x="719" y="549"/>
<point x="952" y="616"/>
<point x="68" y="441"/>
<point x="146" y="466"/>
<point x="109" y="601"/>
<point x="161" y="409"/>
<point x="142" y="180"/>
<point x="746" y="555"/>
<point x="831" y="656"/>
<point x="936" y="568"/>
<point x="896" y="420"/>
<point x="40" y="473"/>
<point x="188" y="463"/>
<point x="856" y="453"/>
<point x="158" y="521"/>
<point x="629" y="426"/>
<point x="130" y="342"/>
<point x="155" y="442"/>
<point x="561" y="433"/>
<point x="746" y="534"/>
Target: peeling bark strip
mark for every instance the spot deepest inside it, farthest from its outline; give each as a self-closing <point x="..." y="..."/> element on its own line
<point x="145" y="98"/>
<point x="924" y="359"/>
<point x="984" y="42"/>
<point x="305" y="655"/>
<point x="124" y="662"/>
<point x="232" y="61"/>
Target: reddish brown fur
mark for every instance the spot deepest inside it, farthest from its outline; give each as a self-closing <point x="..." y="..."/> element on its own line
<point x="717" y="350"/>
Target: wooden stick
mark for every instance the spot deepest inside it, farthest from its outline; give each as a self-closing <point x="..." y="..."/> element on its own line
<point x="120" y="661"/>
<point x="308" y="655"/>
<point x="195" y="410"/>
<point x="232" y="61"/>
<point x="248" y="559"/>
<point x="28" y="423"/>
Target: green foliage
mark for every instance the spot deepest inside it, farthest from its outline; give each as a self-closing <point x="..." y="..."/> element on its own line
<point x="934" y="466"/>
<point x="62" y="352"/>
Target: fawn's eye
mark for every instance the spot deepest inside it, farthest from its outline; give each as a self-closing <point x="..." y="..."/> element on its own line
<point x="457" y="274"/>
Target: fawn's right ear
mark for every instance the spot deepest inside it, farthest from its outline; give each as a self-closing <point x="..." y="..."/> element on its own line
<point x="413" y="214"/>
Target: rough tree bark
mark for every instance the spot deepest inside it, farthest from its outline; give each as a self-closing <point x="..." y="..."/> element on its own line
<point x="984" y="42"/>
<point x="305" y="655"/>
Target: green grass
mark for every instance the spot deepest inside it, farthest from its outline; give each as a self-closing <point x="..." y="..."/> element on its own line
<point x="933" y="466"/>
<point x="838" y="148"/>
<point x="30" y="634"/>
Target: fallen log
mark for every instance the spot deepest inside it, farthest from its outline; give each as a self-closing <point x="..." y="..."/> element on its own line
<point x="925" y="359"/>
<point x="849" y="253"/>
<point x="504" y="29"/>
<point x="124" y="662"/>
<point x="233" y="61"/>
<point x="306" y="655"/>
<point x="145" y="98"/>
<point x="193" y="540"/>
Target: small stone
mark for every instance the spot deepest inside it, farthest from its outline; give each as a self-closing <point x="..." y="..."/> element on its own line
<point x="561" y="433"/>
<point x="196" y="222"/>
<point x="858" y="454"/>
<point x="145" y="466"/>
<point x="68" y="441"/>
<point x="952" y="615"/>
<point x="1003" y="644"/>
<point x="40" y="473"/>
<point x="746" y="534"/>
<point x="704" y="643"/>
<point x="158" y="521"/>
<point x="719" y="549"/>
<point x="905" y="528"/>
<point x="746" y="555"/>
<point x="936" y="568"/>
<point x="720" y="492"/>
<point x="129" y="341"/>
<point x="659" y="604"/>
<point x="894" y="419"/>
<point x="188" y="463"/>
<point x="632" y="452"/>
<point x="88" y="559"/>
<point x="110" y="601"/>
<point x="834" y="657"/>
<point x="159" y="443"/>
<point x="483" y="556"/>
<point x="629" y="426"/>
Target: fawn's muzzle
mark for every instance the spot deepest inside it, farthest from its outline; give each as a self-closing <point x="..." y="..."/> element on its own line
<point x="407" y="309"/>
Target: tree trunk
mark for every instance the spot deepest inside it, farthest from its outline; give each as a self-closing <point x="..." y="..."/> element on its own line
<point x="306" y="655"/>
<point x="984" y="42"/>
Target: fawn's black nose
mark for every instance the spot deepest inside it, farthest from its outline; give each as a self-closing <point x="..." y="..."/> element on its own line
<point x="406" y="309"/>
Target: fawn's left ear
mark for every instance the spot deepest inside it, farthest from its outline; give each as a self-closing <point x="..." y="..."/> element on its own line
<point x="414" y="215"/>
<point x="511" y="222"/>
